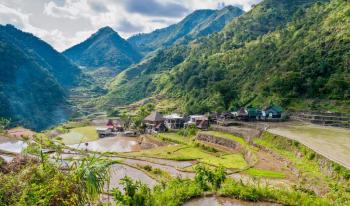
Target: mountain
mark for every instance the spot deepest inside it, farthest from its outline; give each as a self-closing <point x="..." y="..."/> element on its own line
<point x="105" y="48"/>
<point x="62" y="69"/>
<point x="197" y="24"/>
<point x="137" y="77"/>
<point x="32" y="88"/>
<point x="291" y="53"/>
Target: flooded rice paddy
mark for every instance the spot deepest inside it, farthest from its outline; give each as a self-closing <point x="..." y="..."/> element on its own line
<point x="331" y="142"/>
<point x="118" y="171"/>
<point x="169" y="169"/>
<point x="11" y="145"/>
<point x="110" y="144"/>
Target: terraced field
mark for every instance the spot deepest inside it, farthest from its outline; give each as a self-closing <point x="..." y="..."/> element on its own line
<point x="79" y="135"/>
<point x="331" y="142"/>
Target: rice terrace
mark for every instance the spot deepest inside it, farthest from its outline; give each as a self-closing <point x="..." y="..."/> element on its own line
<point x="175" y="103"/>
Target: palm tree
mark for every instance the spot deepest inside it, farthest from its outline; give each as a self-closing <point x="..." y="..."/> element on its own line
<point x="93" y="173"/>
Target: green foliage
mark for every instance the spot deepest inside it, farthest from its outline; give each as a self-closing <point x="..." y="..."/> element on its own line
<point x="188" y="131"/>
<point x="264" y="173"/>
<point x="31" y="183"/>
<point x="111" y="112"/>
<point x="176" y="191"/>
<point x="260" y="193"/>
<point x="210" y="179"/>
<point x="104" y="49"/>
<point x="135" y="193"/>
<point x="142" y="113"/>
<point x="33" y="79"/>
<point x="4" y="123"/>
<point x="311" y="167"/>
<point x="92" y="175"/>
<point x="197" y="24"/>
<point x="286" y="52"/>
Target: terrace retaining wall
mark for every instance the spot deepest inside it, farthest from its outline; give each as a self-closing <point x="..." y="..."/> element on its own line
<point x="323" y="118"/>
<point x="248" y="155"/>
<point x="218" y="140"/>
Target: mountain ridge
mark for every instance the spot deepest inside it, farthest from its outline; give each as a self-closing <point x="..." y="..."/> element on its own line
<point x="105" y="48"/>
<point x="186" y="29"/>
<point x="31" y="94"/>
<point x="205" y="76"/>
<point x="66" y="73"/>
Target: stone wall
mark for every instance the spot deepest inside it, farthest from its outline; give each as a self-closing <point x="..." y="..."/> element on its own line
<point x="218" y="140"/>
<point x="248" y="155"/>
<point x="323" y="118"/>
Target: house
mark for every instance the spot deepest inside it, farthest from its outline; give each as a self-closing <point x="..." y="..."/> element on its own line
<point x="226" y="116"/>
<point x="174" y="121"/>
<point x="272" y="112"/>
<point x="245" y="114"/>
<point x="241" y="114"/>
<point x="200" y="121"/>
<point x="115" y="126"/>
<point x="252" y="113"/>
<point x="111" y="129"/>
<point x="259" y="115"/>
<point x="154" y="122"/>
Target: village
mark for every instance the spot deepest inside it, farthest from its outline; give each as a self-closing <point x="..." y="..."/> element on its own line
<point x="256" y="147"/>
<point x="157" y="122"/>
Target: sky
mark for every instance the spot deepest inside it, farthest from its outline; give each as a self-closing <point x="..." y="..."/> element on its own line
<point x="64" y="23"/>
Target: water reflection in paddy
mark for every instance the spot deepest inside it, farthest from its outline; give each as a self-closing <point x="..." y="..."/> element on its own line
<point x="111" y="144"/>
<point x="118" y="172"/>
<point x="11" y="145"/>
<point x="221" y="201"/>
<point x="7" y="158"/>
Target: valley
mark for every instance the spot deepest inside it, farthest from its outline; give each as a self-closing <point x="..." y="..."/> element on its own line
<point x="226" y="106"/>
<point x="269" y="161"/>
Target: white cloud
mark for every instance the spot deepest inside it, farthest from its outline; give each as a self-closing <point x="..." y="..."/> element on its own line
<point x="21" y="20"/>
<point x="64" y="23"/>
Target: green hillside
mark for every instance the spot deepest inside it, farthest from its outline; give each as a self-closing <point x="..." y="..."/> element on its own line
<point x="29" y="94"/>
<point x="292" y="53"/>
<point x="105" y="48"/>
<point x="197" y="24"/>
<point x="63" y="70"/>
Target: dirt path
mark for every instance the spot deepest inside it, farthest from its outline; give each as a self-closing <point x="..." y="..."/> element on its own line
<point x="331" y="142"/>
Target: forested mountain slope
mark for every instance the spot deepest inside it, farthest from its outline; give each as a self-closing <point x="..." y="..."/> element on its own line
<point x="62" y="69"/>
<point x="197" y="24"/>
<point x="105" y="48"/>
<point x="30" y="96"/>
<point x="292" y="53"/>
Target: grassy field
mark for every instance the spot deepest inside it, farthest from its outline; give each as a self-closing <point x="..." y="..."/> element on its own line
<point x="331" y="142"/>
<point x="303" y="164"/>
<point x="231" y="161"/>
<point x="310" y="168"/>
<point x="182" y="153"/>
<point x="228" y="136"/>
<point x="264" y="173"/>
<point x="174" y="137"/>
<point x="80" y="134"/>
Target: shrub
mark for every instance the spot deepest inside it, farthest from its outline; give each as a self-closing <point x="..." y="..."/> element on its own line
<point x="210" y="179"/>
<point x="188" y="131"/>
<point x="135" y="193"/>
<point x="33" y="183"/>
